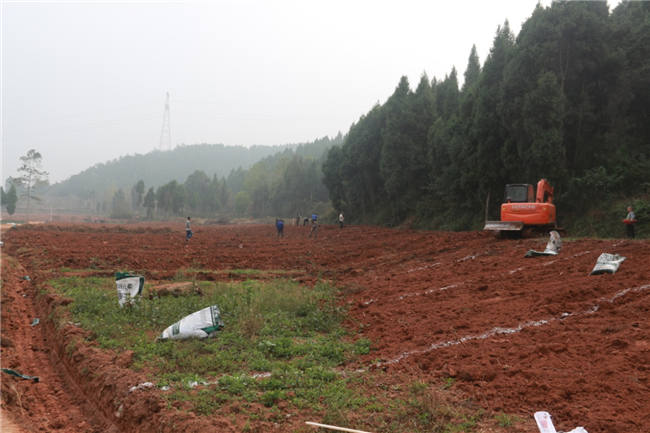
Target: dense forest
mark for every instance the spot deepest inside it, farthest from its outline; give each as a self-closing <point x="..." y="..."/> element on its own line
<point x="568" y="99"/>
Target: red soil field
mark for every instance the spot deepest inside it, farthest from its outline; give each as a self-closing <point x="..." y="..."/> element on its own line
<point x="517" y="334"/>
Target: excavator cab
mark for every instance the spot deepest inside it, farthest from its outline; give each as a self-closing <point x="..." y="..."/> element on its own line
<point x="519" y="193"/>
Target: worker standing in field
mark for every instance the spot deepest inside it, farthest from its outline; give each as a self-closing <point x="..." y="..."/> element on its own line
<point x="279" y="225"/>
<point x="629" y="221"/>
<point x="188" y="230"/>
<point x="341" y="220"/>
<point x="314" y="226"/>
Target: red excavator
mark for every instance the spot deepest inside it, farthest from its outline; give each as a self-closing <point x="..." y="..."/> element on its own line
<point x="524" y="209"/>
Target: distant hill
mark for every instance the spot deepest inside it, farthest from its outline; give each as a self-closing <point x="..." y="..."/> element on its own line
<point x="159" y="167"/>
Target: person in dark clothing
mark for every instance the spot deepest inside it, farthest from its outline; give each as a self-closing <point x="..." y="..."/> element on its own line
<point x="279" y="225"/>
<point x="629" y="221"/>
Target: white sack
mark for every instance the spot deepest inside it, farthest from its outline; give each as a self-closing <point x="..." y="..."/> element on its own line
<point x="128" y="287"/>
<point x="607" y="263"/>
<point x="552" y="247"/>
<point x="545" y="424"/>
<point x="200" y="324"/>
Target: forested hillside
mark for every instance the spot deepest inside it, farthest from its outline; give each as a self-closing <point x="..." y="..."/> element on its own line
<point x="568" y="99"/>
<point x="159" y="167"/>
<point x="282" y="185"/>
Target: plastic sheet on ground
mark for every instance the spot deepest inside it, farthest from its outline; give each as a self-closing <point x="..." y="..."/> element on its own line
<point x="200" y="324"/>
<point x="607" y="264"/>
<point x="552" y="247"/>
<point x="22" y="376"/>
<point x="129" y="286"/>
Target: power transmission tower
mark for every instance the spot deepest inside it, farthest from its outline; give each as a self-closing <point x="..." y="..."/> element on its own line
<point x="166" y="132"/>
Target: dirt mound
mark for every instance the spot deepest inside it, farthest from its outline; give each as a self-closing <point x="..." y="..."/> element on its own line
<point x="514" y="334"/>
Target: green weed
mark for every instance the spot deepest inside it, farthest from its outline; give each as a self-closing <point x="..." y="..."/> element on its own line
<point x="503" y="420"/>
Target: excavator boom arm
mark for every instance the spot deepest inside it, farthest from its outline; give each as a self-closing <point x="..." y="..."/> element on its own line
<point x="544" y="192"/>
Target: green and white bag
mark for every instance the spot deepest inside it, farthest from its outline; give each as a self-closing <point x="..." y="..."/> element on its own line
<point x="200" y="324"/>
<point x="128" y="286"/>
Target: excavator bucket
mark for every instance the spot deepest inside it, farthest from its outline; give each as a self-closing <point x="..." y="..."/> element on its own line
<point x="504" y="226"/>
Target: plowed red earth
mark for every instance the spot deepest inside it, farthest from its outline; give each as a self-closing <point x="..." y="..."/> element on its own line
<point x="517" y="334"/>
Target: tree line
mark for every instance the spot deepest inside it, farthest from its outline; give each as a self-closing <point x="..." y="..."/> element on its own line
<point x="158" y="167"/>
<point x="568" y="100"/>
<point x="284" y="184"/>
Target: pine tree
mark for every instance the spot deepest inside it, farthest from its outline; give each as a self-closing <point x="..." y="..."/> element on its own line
<point x="473" y="70"/>
<point x="32" y="175"/>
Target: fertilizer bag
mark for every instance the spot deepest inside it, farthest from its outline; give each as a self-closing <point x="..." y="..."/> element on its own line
<point x="552" y="247"/>
<point x="128" y="286"/>
<point x="200" y="324"/>
<point x="607" y="263"/>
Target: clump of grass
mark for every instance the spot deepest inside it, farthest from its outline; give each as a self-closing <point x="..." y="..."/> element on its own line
<point x="427" y="408"/>
<point x="503" y="420"/>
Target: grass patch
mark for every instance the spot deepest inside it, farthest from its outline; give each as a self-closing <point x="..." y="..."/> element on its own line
<point x="277" y="327"/>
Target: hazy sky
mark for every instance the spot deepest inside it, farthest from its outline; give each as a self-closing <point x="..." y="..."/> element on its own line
<point x="85" y="82"/>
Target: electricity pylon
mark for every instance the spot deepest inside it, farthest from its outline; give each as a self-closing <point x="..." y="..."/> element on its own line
<point x="166" y="132"/>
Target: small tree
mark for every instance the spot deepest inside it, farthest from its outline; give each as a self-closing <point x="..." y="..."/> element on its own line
<point x="150" y="202"/>
<point x="9" y="199"/>
<point x="32" y="175"/>
<point x="137" y="192"/>
<point x="120" y="205"/>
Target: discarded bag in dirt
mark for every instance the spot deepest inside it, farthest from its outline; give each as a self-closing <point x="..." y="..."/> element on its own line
<point x="607" y="264"/>
<point x="552" y="247"/>
<point x="128" y="286"/>
<point x="545" y="424"/>
<point x="22" y="376"/>
<point x="200" y="324"/>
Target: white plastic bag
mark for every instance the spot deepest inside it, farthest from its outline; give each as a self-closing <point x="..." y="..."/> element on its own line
<point x="552" y="247"/>
<point x="607" y="263"/>
<point x="200" y="324"/>
<point x="545" y="424"/>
